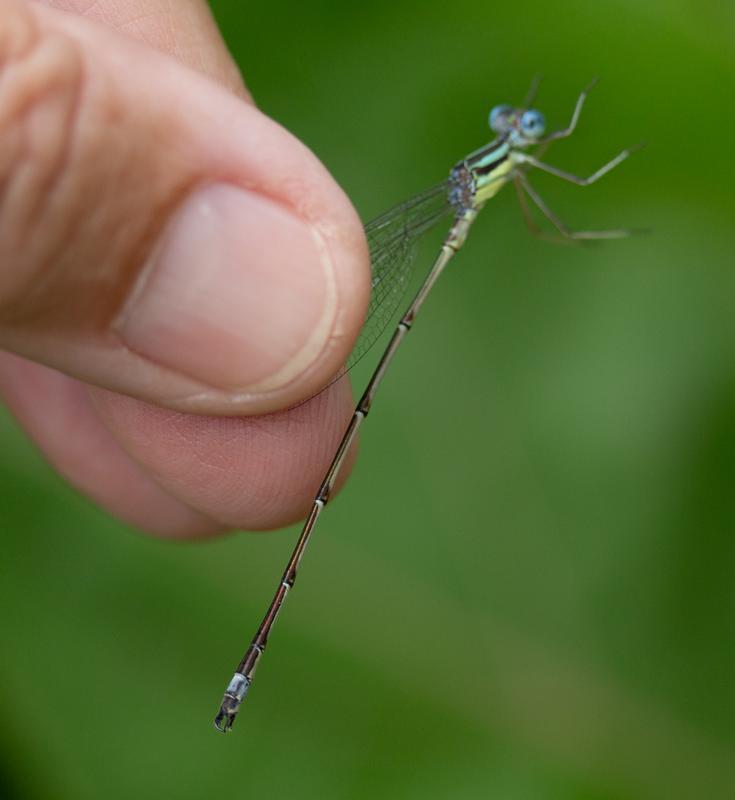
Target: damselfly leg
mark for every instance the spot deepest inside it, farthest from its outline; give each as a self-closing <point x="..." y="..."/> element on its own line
<point x="524" y="185"/>
<point x="524" y="158"/>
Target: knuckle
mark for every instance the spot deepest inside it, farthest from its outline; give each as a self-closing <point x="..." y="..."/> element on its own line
<point x="41" y="78"/>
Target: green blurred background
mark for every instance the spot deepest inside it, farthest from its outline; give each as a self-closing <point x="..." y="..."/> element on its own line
<point x="528" y="588"/>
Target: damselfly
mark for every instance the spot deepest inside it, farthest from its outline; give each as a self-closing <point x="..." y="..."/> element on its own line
<point x="392" y="238"/>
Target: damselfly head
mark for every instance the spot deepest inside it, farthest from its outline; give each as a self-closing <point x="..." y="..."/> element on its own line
<point x="522" y="126"/>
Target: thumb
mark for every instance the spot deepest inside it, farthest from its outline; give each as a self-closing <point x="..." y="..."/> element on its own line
<point x="158" y="236"/>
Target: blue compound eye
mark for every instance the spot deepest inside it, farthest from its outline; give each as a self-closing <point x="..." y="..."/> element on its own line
<point x="500" y="118"/>
<point x="533" y="124"/>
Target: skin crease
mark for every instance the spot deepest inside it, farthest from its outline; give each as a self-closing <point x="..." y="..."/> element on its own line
<point x="167" y="472"/>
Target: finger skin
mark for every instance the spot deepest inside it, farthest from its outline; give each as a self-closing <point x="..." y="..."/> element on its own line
<point x="256" y="473"/>
<point x="185" y="29"/>
<point x="79" y="227"/>
<point x="45" y="401"/>
<point x="59" y="416"/>
<point x="173" y="474"/>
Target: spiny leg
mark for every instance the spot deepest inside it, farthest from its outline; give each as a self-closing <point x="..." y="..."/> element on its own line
<point x="522" y="181"/>
<point x="569" y="130"/>
<point x="530" y="221"/>
<point x="525" y="210"/>
<point x="523" y="158"/>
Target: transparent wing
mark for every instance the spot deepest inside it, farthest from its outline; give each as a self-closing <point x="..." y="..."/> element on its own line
<point x="392" y="238"/>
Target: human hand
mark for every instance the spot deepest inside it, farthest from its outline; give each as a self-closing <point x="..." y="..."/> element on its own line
<point x="175" y="260"/>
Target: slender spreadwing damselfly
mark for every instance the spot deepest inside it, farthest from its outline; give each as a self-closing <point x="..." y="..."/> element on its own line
<point x="392" y="238"/>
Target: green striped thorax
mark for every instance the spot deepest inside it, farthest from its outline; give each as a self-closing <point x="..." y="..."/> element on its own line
<point x="482" y="174"/>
